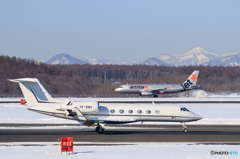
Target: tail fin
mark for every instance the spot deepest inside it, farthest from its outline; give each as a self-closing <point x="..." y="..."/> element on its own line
<point x="192" y="79"/>
<point x="33" y="90"/>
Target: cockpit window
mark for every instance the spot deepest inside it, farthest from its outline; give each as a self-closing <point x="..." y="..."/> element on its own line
<point x="184" y="109"/>
<point x="120" y="87"/>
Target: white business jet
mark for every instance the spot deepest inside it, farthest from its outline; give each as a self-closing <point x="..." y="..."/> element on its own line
<point x="89" y="113"/>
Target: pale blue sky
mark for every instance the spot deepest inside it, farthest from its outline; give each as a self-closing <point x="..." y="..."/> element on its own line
<point x="120" y="30"/>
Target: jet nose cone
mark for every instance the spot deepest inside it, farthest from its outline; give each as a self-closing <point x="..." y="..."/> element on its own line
<point x="198" y="117"/>
<point x="118" y="90"/>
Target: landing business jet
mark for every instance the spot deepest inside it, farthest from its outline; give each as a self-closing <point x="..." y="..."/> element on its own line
<point x="154" y="89"/>
<point x="91" y="112"/>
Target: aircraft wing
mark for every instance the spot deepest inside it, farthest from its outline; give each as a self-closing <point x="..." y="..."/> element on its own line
<point x="91" y="121"/>
<point x="120" y="120"/>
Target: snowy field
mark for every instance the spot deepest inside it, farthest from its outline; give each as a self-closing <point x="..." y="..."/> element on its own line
<point x="122" y="151"/>
<point x="219" y="114"/>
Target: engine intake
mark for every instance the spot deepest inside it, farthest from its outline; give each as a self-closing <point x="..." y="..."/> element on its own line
<point x="146" y="93"/>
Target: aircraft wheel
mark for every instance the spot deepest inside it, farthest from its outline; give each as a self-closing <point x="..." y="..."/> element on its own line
<point x="185" y="130"/>
<point x="97" y="128"/>
<point x="100" y="130"/>
<point x="155" y="96"/>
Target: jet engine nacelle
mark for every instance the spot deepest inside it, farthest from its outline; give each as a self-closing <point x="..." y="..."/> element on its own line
<point x="146" y="93"/>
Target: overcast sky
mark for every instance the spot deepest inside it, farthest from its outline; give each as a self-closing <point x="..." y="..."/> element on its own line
<point x="120" y="30"/>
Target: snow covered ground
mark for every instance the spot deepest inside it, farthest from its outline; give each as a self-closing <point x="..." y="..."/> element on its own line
<point x="120" y="151"/>
<point x="211" y="113"/>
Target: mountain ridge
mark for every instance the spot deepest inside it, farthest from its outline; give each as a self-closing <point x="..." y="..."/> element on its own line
<point x="197" y="56"/>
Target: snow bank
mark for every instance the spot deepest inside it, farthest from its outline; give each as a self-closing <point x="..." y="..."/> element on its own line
<point x="120" y="151"/>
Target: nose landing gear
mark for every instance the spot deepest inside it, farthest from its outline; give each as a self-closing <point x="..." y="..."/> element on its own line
<point x="184" y="128"/>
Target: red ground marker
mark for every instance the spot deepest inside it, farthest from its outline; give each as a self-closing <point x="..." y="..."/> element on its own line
<point x="66" y="144"/>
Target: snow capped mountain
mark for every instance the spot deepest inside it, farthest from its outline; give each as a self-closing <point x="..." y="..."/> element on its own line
<point x="64" y="59"/>
<point x="68" y="59"/>
<point x="167" y="58"/>
<point x="196" y="56"/>
<point x="226" y="61"/>
<point x="154" y="61"/>
<point x="95" y="61"/>
<point x="199" y="56"/>
<point x="229" y="54"/>
<point x="233" y="61"/>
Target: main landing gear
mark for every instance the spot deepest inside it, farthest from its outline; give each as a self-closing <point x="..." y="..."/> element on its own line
<point x="100" y="128"/>
<point x="184" y="128"/>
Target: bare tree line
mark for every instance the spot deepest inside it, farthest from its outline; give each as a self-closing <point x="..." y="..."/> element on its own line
<point x="101" y="80"/>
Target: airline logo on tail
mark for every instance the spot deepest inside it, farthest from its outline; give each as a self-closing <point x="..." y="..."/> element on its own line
<point x="192" y="80"/>
<point x="193" y="77"/>
<point x="187" y="84"/>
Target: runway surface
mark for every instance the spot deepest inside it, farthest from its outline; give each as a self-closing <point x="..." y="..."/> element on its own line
<point x="163" y="133"/>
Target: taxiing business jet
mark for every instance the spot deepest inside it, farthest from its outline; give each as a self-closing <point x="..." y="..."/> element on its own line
<point x="91" y="112"/>
<point x="154" y="89"/>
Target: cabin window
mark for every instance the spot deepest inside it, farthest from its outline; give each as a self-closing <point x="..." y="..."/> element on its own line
<point x="130" y="111"/>
<point x="112" y="111"/>
<point x="148" y="112"/>
<point x="139" y="111"/>
<point x="157" y="111"/>
<point x="121" y="111"/>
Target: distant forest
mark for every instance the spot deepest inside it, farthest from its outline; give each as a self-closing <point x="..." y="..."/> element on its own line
<point x="101" y="80"/>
